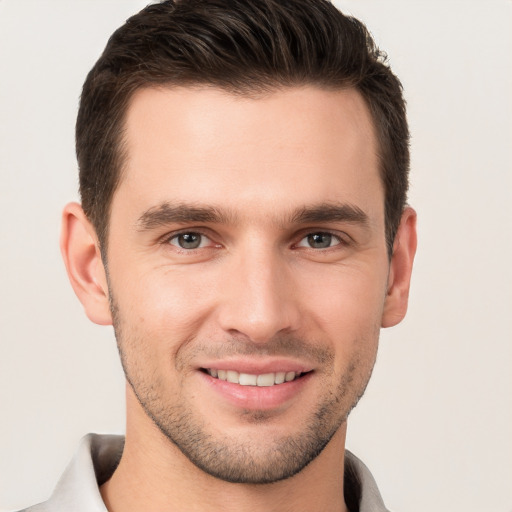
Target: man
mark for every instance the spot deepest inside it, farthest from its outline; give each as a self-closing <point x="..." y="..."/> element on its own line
<point x="244" y="228"/>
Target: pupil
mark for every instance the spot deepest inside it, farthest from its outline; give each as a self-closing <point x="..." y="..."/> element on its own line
<point x="320" y="240"/>
<point x="190" y="240"/>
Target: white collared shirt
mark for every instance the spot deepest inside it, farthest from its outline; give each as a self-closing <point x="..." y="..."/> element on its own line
<point x="98" y="456"/>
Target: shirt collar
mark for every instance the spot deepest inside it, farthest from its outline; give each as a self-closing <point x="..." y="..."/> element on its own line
<point x="98" y="456"/>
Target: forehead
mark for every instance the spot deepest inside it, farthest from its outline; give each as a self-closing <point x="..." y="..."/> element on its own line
<point x="288" y="148"/>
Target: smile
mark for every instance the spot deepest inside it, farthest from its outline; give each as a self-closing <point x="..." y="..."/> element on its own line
<point x="247" y="379"/>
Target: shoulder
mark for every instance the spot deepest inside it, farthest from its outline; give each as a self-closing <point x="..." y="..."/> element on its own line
<point x="77" y="490"/>
<point x="360" y="488"/>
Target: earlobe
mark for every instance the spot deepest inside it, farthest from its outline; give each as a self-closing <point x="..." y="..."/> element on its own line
<point x="399" y="279"/>
<point x="81" y="253"/>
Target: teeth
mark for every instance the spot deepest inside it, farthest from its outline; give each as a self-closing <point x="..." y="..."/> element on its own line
<point x="289" y="376"/>
<point x="247" y="379"/>
<point x="232" y="376"/>
<point x="266" y="379"/>
<point x="280" y="376"/>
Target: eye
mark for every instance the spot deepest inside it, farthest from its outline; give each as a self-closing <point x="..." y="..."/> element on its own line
<point x="190" y="240"/>
<point x="319" y="241"/>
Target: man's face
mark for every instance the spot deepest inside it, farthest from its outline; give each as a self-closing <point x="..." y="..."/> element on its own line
<point x="247" y="243"/>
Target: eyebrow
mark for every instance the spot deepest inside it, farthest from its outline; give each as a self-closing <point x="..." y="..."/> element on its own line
<point x="181" y="213"/>
<point x="329" y="212"/>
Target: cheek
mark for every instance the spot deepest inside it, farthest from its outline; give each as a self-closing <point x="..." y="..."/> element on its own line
<point x="164" y="303"/>
<point x="347" y="308"/>
<point x="346" y="295"/>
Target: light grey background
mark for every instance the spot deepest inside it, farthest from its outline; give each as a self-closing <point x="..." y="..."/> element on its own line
<point x="435" y="425"/>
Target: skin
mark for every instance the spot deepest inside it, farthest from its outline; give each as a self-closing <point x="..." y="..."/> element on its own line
<point x="258" y="292"/>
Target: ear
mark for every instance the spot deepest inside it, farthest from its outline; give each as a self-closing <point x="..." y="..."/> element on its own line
<point x="399" y="280"/>
<point x="81" y="253"/>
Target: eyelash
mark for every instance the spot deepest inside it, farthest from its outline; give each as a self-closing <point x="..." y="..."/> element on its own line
<point x="340" y="240"/>
<point x="333" y="237"/>
<point x="168" y="240"/>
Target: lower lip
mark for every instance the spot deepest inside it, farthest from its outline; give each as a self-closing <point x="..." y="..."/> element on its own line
<point x="261" y="398"/>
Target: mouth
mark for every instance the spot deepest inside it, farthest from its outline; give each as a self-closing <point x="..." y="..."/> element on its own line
<point x="248" y="379"/>
<point x="257" y="385"/>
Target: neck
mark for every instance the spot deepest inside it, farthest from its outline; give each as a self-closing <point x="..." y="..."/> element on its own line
<point x="153" y="474"/>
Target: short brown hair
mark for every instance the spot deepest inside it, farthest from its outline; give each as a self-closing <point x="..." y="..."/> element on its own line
<point x="244" y="47"/>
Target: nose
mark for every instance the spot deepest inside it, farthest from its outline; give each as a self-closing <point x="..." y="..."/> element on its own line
<point x="258" y="297"/>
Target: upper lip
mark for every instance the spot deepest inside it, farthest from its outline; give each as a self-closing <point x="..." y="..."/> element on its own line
<point x="258" y="367"/>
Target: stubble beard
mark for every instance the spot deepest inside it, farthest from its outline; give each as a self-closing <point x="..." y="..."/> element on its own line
<point x="247" y="461"/>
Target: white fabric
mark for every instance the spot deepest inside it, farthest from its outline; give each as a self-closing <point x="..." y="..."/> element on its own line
<point x="98" y="455"/>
